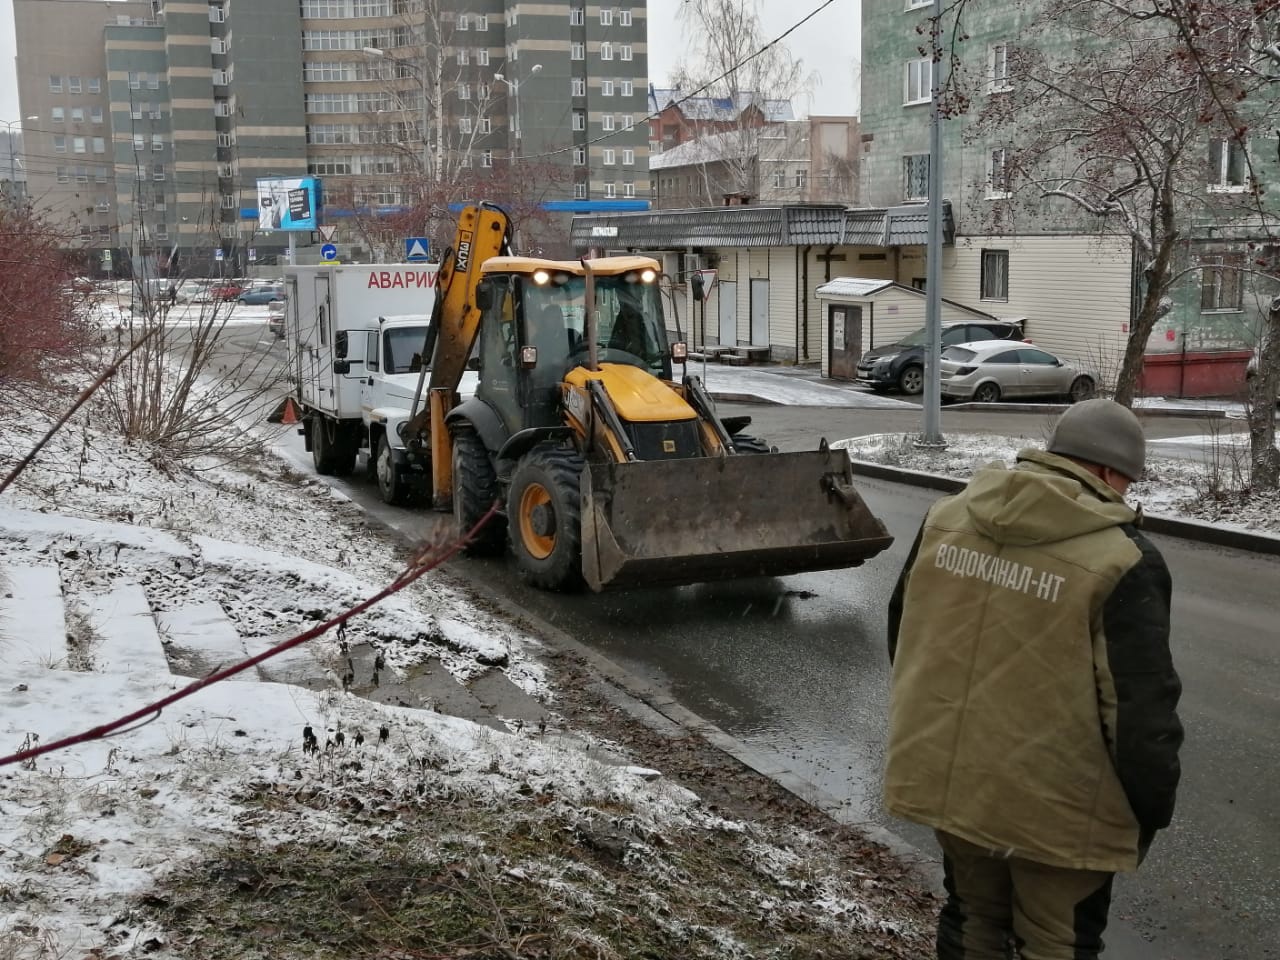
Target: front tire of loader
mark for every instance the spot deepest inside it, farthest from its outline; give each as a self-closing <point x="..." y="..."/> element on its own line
<point x="544" y="518"/>
<point x="742" y="443"/>
<point x="475" y="487"/>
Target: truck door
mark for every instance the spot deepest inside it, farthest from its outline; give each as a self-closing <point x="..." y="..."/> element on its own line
<point x="371" y="367"/>
<point x="315" y="347"/>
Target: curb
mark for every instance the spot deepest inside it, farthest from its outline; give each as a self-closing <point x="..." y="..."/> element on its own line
<point x="1197" y="531"/>
<point x="998" y="407"/>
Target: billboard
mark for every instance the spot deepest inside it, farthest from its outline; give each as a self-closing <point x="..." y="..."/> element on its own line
<point x="288" y="203"/>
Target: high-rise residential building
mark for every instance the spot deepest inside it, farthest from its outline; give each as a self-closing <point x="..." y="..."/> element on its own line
<point x="156" y="119"/>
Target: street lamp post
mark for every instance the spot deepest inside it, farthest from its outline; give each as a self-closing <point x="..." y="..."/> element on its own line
<point x="379" y="54"/>
<point x="514" y="85"/>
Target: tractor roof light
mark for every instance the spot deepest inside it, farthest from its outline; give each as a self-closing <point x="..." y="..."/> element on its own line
<point x="648" y="275"/>
<point x="541" y="277"/>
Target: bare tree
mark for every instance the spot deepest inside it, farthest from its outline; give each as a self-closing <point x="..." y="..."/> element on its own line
<point x="747" y="83"/>
<point x="1111" y="120"/>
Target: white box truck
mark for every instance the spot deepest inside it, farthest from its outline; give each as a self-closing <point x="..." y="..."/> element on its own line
<point x="355" y="335"/>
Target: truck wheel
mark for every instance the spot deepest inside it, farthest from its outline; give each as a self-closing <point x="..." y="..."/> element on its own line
<point x="393" y="486"/>
<point x="323" y="453"/>
<point x="911" y="379"/>
<point x="475" y="487"/>
<point x="544" y="517"/>
<point x="346" y="445"/>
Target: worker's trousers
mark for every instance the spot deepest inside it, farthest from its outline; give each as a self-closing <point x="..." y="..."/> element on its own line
<point x="995" y="903"/>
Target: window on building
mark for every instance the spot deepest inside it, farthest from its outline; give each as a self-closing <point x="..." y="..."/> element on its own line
<point x="157" y="171"/>
<point x="606" y="17"/>
<point x="626" y="88"/>
<point x="58" y="115"/>
<point x="482" y="57"/>
<point x="606" y="88"/>
<point x="628" y="121"/>
<point x="486" y="125"/>
<point x="464" y="22"/>
<point x="82" y="174"/>
<point x="610" y="190"/>
<point x="486" y="158"/>
<point x="159" y="202"/>
<point x="995" y="275"/>
<point x="153" y="81"/>
<point x="55" y="84"/>
<point x="135" y="80"/>
<point x="606" y="51"/>
<point x="628" y="157"/>
<point x="579" y="120"/>
<point x="464" y="91"/>
<point x="135" y="111"/>
<point x="577" y="51"/>
<point x="99" y="144"/>
<point x="79" y="145"/>
<point x="800" y="178"/>
<point x="464" y="124"/>
<point x="464" y="56"/>
<point x="779" y="179"/>
<point x="915" y="177"/>
<point x="624" y="18"/>
<point x="624" y="51"/>
<point x="216" y="14"/>
<point x="628" y="190"/>
<point x="157" y="142"/>
<point x="918" y="81"/>
<point x="606" y="121"/>
<point x="482" y="21"/>
<point x="998" y="175"/>
<point x="219" y="77"/>
<point x="998" y="68"/>
<point x="95" y="84"/>
<point x="608" y="157"/>
<point x="77" y="114"/>
<point x="99" y="173"/>
<point x="579" y="156"/>
<point x="579" y="191"/>
<point x="95" y="115"/>
<point x="73" y="85"/>
<point x="578" y="87"/>
<point x="217" y="45"/>
<point x="576" y="17"/>
<point x="228" y="201"/>
<point x="139" y="142"/>
<point x="62" y="175"/>
<point x="1228" y="170"/>
<point x="224" y="139"/>
<point x="1222" y="282"/>
<point x="917" y="4"/>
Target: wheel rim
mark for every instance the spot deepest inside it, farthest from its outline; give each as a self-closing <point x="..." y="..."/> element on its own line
<point x="386" y="469"/>
<point x="986" y="394"/>
<point x="1082" y="389"/>
<point x="913" y="381"/>
<point x="539" y="546"/>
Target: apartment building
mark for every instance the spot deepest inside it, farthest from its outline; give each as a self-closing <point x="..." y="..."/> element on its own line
<point x="156" y="119"/>
<point x="1074" y="277"/>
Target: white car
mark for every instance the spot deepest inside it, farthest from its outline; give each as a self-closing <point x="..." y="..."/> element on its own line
<point x="1251" y="371"/>
<point x="994" y="369"/>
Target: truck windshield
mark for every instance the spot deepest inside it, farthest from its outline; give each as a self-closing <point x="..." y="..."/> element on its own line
<point x="629" y="322"/>
<point x="402" y="349"/>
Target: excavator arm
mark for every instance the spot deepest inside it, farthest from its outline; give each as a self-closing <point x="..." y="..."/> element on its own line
<point x="484" y="231"/>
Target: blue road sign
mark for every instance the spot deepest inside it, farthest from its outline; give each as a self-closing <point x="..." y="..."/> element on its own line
<point x="218" y="254"/>
<point x="417" y="249"/>
<point x="328" y="252"/>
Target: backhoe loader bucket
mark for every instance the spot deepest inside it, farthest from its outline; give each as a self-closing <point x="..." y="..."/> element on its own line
<point x="666" y="522"/>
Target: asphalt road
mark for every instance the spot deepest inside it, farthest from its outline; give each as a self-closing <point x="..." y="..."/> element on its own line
<point x="796" y="669"/>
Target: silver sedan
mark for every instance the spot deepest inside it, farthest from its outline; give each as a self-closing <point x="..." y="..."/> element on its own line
<point x="996" y="369"/>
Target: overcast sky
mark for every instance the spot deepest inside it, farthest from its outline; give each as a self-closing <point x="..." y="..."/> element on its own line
<point x="828" y="44"/>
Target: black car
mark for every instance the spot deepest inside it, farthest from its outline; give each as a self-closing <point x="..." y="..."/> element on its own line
<point x="901" y="365"/>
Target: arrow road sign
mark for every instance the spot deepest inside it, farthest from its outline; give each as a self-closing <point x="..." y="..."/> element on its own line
<point x="328" y="252"/>
<point x="416" y="249"/>
<point x="328" y="231"/>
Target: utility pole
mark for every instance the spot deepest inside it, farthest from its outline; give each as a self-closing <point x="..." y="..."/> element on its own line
<point x="931" y="435"/>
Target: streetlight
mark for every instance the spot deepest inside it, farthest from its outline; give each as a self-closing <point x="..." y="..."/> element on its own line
<point x="422" y="88"/>
<point x="13" y="169"/>
<point x="514" y="86"/>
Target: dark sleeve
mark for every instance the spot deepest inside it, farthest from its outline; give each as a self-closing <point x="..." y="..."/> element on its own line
<point x="1148" y="733"/>
<point x="895" y="601"/>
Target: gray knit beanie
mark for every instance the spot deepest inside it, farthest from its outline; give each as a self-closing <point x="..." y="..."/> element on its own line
<point x="1101" y="432"/>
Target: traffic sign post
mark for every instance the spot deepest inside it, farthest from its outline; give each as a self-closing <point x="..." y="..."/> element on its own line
<point x="417" y="249"/>
<point x="329" y="253"/>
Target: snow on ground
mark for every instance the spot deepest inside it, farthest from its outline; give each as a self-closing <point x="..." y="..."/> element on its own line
<point x="1172" y="486"/>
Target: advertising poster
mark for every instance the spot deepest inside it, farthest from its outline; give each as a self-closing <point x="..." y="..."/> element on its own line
<point x="288" y="203"/>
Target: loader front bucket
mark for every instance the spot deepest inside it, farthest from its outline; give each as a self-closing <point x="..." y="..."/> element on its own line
<point x="666" y="522"/>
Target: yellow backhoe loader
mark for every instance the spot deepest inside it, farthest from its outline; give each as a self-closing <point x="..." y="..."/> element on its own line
<point x="610" y="472"/>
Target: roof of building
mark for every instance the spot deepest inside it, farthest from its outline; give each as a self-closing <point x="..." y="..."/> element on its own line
<point x="852" y="287"/>
<point x="751" y="225"/>
<point x="719" y="109"/>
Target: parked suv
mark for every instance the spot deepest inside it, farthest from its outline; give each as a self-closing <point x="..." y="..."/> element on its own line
<point x="901" y="365"/>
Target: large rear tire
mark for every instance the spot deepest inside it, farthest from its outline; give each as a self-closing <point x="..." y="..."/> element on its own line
<point x="744" y="443"/>
<point x="544" y="518"/>
<point x="333" y="447"/>
<point x="475" y="488"/>
<point x="393" y="486"/>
